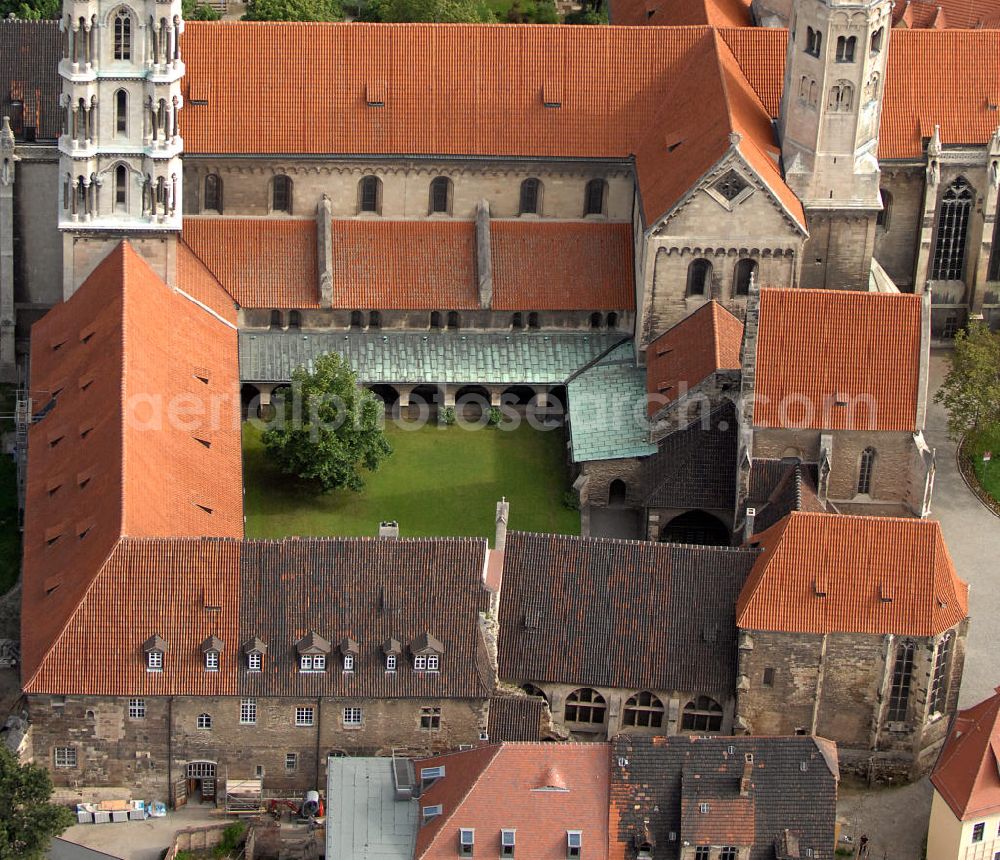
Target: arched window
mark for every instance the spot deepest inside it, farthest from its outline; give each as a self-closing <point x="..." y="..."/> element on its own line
<point x="612" y="321"/>
<point x="123" y="35"/>
<point x="532" y="690"/>
<point x="643" y="710"/>
<point x="704" y="714"/>
<point x="948" y="263"/>
<point x="121" y="112"/>
<point x="281" y="194"/>
<point x="814" y="41"/>
<point x="845" y="49"/>
<point x="585" y="706"/>
<point x="213" y="193"/>
<point x="374" y="319"/>
<point x="813" y="93"/>
<point x="746" y="269"/>
<point x="533" y="319"/>
<point x="865" y="471"/>
<point x="594" y="197"/>
<point x="846" y="97"/>
<point x="517" y="320"/>
<point x="938" y="696"/>
<point x="356" y="319"/>
<point x="596" y="320"/>
<point x="876" y="42"/>
<point x="435" y="319"/>
<point x="295" y="319"/>
<point x="370" y="195"/>
<point x="454" y="320"/>
<point x="277" y="319"/>
<point x="531" y="190"/>
<point x="204" y="721"/>
<point x="121" y="188"/>
<point x="882" y="219"/>
<point x="899" y="690"/>
<point x="440" y="195"/>
<point x="699" y="276"/>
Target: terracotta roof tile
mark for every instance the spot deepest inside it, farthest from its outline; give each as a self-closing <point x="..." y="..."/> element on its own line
<point x="717" y="13"/>
<point x="686" y="354"/>
<point x="862" y="349"/>
<point x="728" y="820"/>
<point x="967" y="774"/>
<point x="194" y="278"/>
<point x="564" y="265"/>
<point x="261" y="262"/>
<point x="957" y="14"/>
<point x="493" y="788"/>
<point x="859" y="560"/>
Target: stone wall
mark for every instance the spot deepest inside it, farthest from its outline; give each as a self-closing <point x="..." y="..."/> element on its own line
<point x="38" y="270"/>
<point x="838" y="253"/>
<point x="599" y="475"/>
<point x="897" y="240"/>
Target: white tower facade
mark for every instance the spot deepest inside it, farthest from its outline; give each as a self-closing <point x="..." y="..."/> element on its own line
<point x="120" y="150"/>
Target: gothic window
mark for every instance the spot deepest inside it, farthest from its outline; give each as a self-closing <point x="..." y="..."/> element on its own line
<point x="454" y="320"/>
<point x="704" y="714"/>
<point x="585" y="706"/>
<point x="213" y="192"/>
<point x="594" y="197"/>
<point x="123" y="35"/>
<point x="533" y="690"/>
<point x="281" y="194"/>
<point x="865" y="471"/>
<point x="530" y="193"/>
<point x="121" y="188"/>
<point x="699" y="276"/>
<point x="876" y="41"/>
<point x="370" y="195"/>
<point x="440" y="195"/>
<point x="953" y="223"/>
<point x="899" y="690"/>
<point x="939" y="680"/>
<point x="745" y="270"/>
<point x="643" y="710"/>
<point x="814" y="41"/>
<point x="845" y="49"/>
<point x="841" y="97"/>
<point x="882" y="219"/>
<point x="813" y="93"/>
<point x="804" y="87"/>
<point x="994" y="270"/>
<point x="121" y="112"/>
<point x="731" y="185"/>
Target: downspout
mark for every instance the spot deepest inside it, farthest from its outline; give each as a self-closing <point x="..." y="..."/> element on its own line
<point x="319" y="728"/>
<point x="819" y="685"/>
<point x="170" y="750"/>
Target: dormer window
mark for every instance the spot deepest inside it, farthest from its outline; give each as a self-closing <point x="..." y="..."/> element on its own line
<point x="348" y="662"/>
<point x="507" y="842"/>
<point x="419" y="663"/>
<point x="254" y="650"/>
<point x="391" y="649"/>
<point x="312" y="662"/>
<point x="211" y="661"/>
<point x="433" y="663"/>
<point x="390" y="662"/>
<point x="154" y="661"/>
<point x="155" y="647"/>
<point x="427" y="651"/>
<point x="212" y="648"/>
<point x="312" y="649"/>
<point x="349" y="653"/>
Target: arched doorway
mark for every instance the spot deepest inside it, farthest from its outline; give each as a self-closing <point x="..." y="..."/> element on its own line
<point x="386" y="393"/>
<point x="471" y="402"/>
<point x="696" y="527"/>
<point x="200" y="777"/>
<point x="617" y="493"/>
<point x="518" y="395"/>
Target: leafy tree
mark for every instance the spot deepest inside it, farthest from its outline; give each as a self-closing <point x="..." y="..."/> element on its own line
<point x="328" y="427"/>
<point x="27" y="820"/>
<point x="588" y="16"/>
<point x="294" y="10"/>
<point x="441" y="11"/>
<point x="31" y="10"/>
<point x="197" y="11"/>
<point x="971" y="390"/>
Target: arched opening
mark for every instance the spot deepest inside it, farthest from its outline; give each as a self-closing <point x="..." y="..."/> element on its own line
<point x="357" y="320"/>
<point x="123" y="35"/>
<point x="594" y="197"/>
<point x="585" y="706"/>
<point x="846" y="46"/>
<point x="213" y="193"/>
<point x="518" y="395"/>
<point x="595" y="320"/>
<point x="699" y="275"/>
<point x="883" y="217"/>
<point x="643" y="710"/>
<point x="121" y="188"/>
<point x="200" y="776"/>
<point x="899" y="687"/>
<point x="533" y="320"/>
<point x="704" y="714"/>
<point x="865" y="469"/>
<point x="440" y="202"/>
<point x="375" y="319"/>
<point x="696" y="527"/>
<point x="121" y="112"/>
<point x="435" y="321"/>
<point x="531" y="190"/>
<point x="814" y="41"/>
<point x="277" y="320"/>
<point x="746" y="269"/>
<point x="612" y="321"/>
<point x="517" y="320"/>
<point x="386" y="393"/>
<point x="617" y="493"/>
<point x="370" y="194"/>
<point x="294" y="319"/>
<point x="281" y="194"/>
<point x="424" y="394"/>
<point x="532" y="690"/>
<point x="472" y="401"/>
<point x="948" y="263"/>
<point x="454" y="320"/>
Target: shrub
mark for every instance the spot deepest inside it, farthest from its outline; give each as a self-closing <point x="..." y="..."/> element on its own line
<point x="446" y="415"/>
<point x="495" y="416"/>
<point x="571" y="500"/>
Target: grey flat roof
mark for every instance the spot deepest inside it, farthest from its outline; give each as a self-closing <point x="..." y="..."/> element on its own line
<point x="62" y="849"/>
<point x="364" y="821"/>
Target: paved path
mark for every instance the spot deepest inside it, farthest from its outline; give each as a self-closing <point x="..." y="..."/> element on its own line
<point x="973" y="536"/>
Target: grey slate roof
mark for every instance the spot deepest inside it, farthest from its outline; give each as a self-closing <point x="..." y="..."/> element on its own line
<point x="695" y="467"/>
<point x="435" y="357"/>
<point x="793" y="786"/>
<point x="29" y="72"/>
<point x="607" y="405"/>
<point x="618" y="613"/>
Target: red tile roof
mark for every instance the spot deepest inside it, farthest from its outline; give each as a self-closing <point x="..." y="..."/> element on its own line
<point x="967" y="774"/>
<point x="958" y="14"/>
<point x="519" y="786"/>
<point x="701" y="344"/>
<point x="562" y="265"/>
<point x="825" y="573"/>
<point x="717" y="13"/>
<point x="142" y="439"/>
<point x="199" y="283"/>
<point x="728" y="820"/>
<point x="261" y="262"/>
<point x="862" y="349"/>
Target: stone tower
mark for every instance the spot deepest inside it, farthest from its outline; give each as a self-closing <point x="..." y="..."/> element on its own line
<point x="120" y="150"/>
<point x="829" y="124"/>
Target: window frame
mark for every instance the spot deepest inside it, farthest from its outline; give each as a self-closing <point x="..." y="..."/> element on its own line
<point x="137" y="709"/>
<point x="212" y="201"/>
<point x="122" y="39"/>
<point x="391" y="663"/>
<point x="951" y="232"/>
<point x="530" y="197"/>
<point x="353" y="717"/>
<point x="937" y="696"/>
<point x="305" y="716"/>
<point x="204" y="722"/>
<point x="281" y="193"/>
<point x="430" y="718"/>
<point x="900" y="683"/>
<point x="65" y="758"/>
<point x="212" y="660"/>
<point x="255" y="661"/>
<point x="348" y="666"/>
<point x="154" y="660"/>
<point x="702" y="715"/>
<point x="291" y="762"/>
<point x="596" y="190"/>
<point x="248" y="712"/>
<point x="440" y="194"/>
<point x="978" y="832"/>
<point x="866" y="471"/>
<point x="641" y="714"/>
<point x="370" y="195"/>
<point x="585" y="710"/>
<point x="699" y="275"/>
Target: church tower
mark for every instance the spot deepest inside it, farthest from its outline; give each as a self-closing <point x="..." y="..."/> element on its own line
<point x="831" y="106"/>
<point x="120" y="150"/>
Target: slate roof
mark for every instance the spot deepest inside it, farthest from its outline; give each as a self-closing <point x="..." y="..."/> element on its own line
<point x="607" y="403"/>
<point x="540" y="790"/>
<point x="661" y="782"/>
<point x="823" y="573"/>
<point x="615" y="613"/>
<point x="515" y="718"/>
<point x="433" y="357"/>
<point x="862" y="349"/>
<point x="695" y="467"/>
<point x="967" y="773"/>
<point x="778" y="487"/>
<point x="29" y="74"/>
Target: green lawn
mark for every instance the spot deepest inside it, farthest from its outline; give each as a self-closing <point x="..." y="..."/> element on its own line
<point x="439" y="481"/>
<point x="987" y="473"/>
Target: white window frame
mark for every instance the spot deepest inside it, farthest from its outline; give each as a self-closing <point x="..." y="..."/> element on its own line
<point x="466" y="841"/>
<point x="137" y="709"/>
<point x="255" y="661"/>
<point x="390" y="662"/>
<point x="291" y="762"/>
<point x="248" y="712"/>
<point x="64" y="757"/>
<point x="312" y="662"/>
<point x="430" y="812"/>
<point x="353" y="717"/>
<point x="154" y="661"/>
<point x="574" y="843"/>
<point x="508" y="841"/>
<point x="431" y="773"/>
<point x="204" y="722"/>
<point x="433" y="663"/>
<point x="211" y="661"/>
<point x="305" y="715"/>
<point x="348" y="662"/>
<point x="419" y="663"/>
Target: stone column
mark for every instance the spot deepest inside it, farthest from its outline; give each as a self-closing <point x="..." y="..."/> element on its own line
<point x="324" y="251"/>
<point x="980" y="272"/>
<point x="929" y="211"/>
<point x="7" y="175"/>
<point x="484" y="257"/>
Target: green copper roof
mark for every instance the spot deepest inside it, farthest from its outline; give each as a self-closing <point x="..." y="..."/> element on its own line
<point x="607" y="409"/>
<point x="432" y="357"/>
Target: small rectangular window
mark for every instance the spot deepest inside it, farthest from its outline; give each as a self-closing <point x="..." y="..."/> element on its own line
<point x="352" y="716"/>
<point x="466" y="841"/>
<point x="574" y="843"/>
<point x="703" y="852"/>
<point x="769" y="677"/>
<point x="137" y="709"/>
<point x="728" y="852"/>
<point x="390" y="662"/>
<point x="429" y="774"/>
<point x="65" y="756"/>
<point x="303" y="716"/>
<point x="211" y="661"/>
<point x="154" y="661"/>
<point x="430" y="719"/>
<point x="430" y="812"/>
<point x="291" y="761"/>
<point x="433" y="662"/>
<point x="978" y="831"/>
<point x="254" y="661"/>
<point x="419" y="663"/>
<point x="348" y="662"/>
<point x="507" y="843"/>
<point x="248" y="712"/>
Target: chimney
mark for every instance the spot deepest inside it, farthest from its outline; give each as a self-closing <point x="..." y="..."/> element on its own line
<point x="484" y="255"/>
<point x="747" y="774"/>
<point x="388" y="529"/>
<point x="748" y="522"/>
<point x="503" y="515"/>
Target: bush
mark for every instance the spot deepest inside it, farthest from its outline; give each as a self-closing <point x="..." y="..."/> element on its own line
<point x="587" y="16"/>
<point x="232" y="838"/>
<point x="446" y="415"/>
<point x="571" y="500"/>
<point x="195" y="11"/>
<point x="495" y="416"/>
